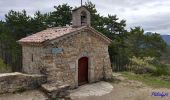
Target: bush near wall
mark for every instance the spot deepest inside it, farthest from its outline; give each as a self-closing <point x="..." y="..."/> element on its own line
<point x="3" y="67"/>
<point x="148" y="65"/>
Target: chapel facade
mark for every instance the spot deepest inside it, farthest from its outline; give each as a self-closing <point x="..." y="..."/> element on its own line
<point x="75" y="55"/>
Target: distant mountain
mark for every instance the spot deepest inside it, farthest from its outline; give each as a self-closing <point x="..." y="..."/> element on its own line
<point x="166" y="38"/>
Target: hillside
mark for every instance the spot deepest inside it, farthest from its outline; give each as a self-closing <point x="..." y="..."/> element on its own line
<point x="166" y="56"/>
<point x="166" y="38"/>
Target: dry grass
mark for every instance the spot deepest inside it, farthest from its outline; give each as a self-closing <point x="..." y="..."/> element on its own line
<point x="153" y="81"/>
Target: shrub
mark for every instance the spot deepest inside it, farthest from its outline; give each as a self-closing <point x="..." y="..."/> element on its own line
<point x="161" y="69"/>
<point x="168" y="69"/>
<point x="4" y="67"/>
<point x="142" y="65"/>
<point x="148" y="65"/>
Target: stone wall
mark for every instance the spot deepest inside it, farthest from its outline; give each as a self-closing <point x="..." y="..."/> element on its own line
<point x="18" y="82"/>
<point x="32" y="59"/>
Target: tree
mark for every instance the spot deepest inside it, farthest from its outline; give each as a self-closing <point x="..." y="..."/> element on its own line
<point x="7" y="44"/>
<point x="110" y="25"/>
<point x="38" y="22"/>
<point x="17" y="26"/>
<point x="96" y="19"/>
<point x="136" y="41"/>
<point x="61" y="17"/>
<point x="143" y="45"/>
<point x="18" y="23"/>
<point x="154" y="44"/>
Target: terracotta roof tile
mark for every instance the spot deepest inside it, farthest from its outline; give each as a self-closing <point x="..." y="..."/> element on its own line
<point x="49" y="34"/>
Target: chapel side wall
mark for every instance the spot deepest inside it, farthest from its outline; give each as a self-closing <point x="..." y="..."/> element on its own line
<point x="65" y="66"/>
<point x="102" y="65"/>
<point x="107" y="65"/>
<point x="31" y="53"/>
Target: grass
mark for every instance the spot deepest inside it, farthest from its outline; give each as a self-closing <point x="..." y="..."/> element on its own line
<point x="168" y="67"/>
<point x="153" y="81"/>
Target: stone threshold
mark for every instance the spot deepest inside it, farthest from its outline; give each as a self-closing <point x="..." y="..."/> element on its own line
<point x="56" y="90"/>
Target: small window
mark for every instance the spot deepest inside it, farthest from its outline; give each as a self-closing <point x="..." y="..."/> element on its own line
<point x="32" y="58"/>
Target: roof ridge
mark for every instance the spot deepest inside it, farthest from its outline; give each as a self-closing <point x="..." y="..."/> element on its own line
<point x="59" y="27"/>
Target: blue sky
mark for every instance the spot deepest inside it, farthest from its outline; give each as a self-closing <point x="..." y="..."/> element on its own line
<point x="152" y="15"/>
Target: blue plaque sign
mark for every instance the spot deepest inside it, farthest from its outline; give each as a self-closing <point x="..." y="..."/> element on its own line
<point x="56" y="50"/>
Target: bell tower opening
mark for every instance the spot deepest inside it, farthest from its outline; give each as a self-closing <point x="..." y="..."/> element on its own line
<point x="81" y="17"/>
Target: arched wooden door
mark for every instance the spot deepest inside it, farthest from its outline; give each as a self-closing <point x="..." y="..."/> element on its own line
<point x="82" y="71"/>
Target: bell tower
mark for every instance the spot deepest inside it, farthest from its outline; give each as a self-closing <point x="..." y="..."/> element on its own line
<point x="81" y="17"/>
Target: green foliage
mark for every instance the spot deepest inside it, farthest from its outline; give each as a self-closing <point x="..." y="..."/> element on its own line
<point x="60" y="17"/>
<point x="154" y="45"/>
<point x="168" y="68"/>
<point x="134" y="48"/>
<point x="38" y="22"/>
<point x="161" y="69"/>
<point x="136" y="41"/>
<point x="18" y="23"/>
<point x="143" y="45"/>
<point x="165" y="58"/>
<point x="3" y="67"/>
<point x="111" y="26"/>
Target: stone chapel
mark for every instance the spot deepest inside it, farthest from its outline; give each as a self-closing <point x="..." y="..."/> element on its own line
<point x="74" y="55"/>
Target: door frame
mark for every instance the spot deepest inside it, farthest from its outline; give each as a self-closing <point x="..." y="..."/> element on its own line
<point x="90" y="69"/>
<point x="87" y="75"/>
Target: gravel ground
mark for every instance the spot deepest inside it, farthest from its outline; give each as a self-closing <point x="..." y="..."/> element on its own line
<point x="28" y="95"/>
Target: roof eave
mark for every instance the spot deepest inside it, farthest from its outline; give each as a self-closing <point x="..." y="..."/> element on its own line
<point x="30" y="43"/>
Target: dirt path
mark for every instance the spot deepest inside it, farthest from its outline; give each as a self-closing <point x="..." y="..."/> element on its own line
<point x="129" y="90"/>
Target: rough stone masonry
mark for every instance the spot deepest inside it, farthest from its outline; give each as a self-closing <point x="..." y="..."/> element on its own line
<point x="18" y="82"/>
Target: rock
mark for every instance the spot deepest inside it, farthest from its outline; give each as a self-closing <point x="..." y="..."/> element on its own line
<point x="56" y="90"/>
